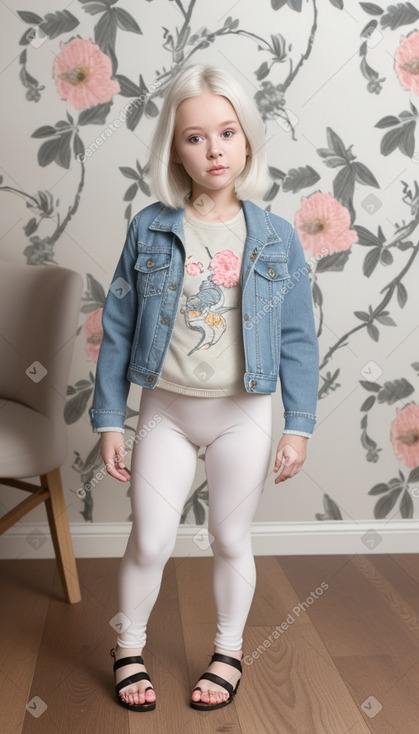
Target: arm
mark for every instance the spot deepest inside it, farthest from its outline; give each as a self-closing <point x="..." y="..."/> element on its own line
<point x="299" y="366"/>
<point x="118" y="321"/>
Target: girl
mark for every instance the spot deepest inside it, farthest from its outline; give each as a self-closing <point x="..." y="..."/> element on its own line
<point x="209" y="305"/>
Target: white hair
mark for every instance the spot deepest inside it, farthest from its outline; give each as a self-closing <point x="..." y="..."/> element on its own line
<point x="169" y="181"/>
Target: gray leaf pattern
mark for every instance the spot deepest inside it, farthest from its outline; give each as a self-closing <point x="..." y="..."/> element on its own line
<point x="324" y="186"/>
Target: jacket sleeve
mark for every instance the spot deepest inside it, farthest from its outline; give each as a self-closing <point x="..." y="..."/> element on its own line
<point x="299" y="357"/>
<point x="118" y="322"/>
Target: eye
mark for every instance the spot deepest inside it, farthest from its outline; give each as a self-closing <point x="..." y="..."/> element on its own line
<point x="228" y="133"/>
<point x="194" y="138"/>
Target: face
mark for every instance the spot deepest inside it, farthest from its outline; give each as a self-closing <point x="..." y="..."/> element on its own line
<point x="209" y="142"/>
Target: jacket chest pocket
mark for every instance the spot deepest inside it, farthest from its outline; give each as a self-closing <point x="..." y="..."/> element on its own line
<point x="152" y="269"/>
<point x="270" y="277"/>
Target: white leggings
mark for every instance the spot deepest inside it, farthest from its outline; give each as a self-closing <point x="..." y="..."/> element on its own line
<point x="237" y="431"/>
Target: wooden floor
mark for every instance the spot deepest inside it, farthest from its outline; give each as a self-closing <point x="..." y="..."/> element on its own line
<point x="345" y="661"/>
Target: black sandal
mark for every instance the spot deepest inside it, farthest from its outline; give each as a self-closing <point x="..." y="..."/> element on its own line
<point x="217" y="657"/>
<point x="132" y="679"/>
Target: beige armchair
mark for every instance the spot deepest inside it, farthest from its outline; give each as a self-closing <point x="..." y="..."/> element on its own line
<point x="39" y="309"/>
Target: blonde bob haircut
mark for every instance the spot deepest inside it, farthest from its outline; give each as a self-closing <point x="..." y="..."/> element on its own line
<point x="169" y="181"/>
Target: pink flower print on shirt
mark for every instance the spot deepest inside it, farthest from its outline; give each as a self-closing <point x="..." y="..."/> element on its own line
<point x="226" y="268"/>
<point x="194" y="268"/>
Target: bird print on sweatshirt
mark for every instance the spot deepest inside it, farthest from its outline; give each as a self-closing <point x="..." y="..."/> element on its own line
<point x="204" y="309"/>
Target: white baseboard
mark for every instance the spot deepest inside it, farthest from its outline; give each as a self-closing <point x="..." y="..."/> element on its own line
<point x="108" y="540"/>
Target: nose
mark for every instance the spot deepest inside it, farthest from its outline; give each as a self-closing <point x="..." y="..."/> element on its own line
<point x="214" y="149"/>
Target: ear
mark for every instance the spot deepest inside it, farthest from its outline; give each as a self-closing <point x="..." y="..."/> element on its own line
<point x="248" y="148"/>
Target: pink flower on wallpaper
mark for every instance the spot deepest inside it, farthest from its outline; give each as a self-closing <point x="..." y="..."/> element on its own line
<point x="226" y="268"/>
<point x="94" y="333"/>
<point x="405" y="435"/>
<point x="82" y="73"/>
<point x="407" y="62"/>
<point x="323" y="224"/>
<point x="194" y="268"/>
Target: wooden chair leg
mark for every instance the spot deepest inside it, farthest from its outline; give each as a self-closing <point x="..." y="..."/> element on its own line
<point x="60" y="534"/>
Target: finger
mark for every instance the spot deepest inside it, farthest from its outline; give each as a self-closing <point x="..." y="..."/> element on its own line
<point x="123" y="472"/>
<point x="285" y="474"/>
<point x="282" y="477"/>
<point x="114" y="469"/>
<point x="122" y="476"/>
<point x="279" y="461"/>
<point x="289" y="472"/>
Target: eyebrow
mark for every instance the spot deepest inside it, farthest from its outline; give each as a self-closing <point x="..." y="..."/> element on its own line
<point x="222" y="124"/>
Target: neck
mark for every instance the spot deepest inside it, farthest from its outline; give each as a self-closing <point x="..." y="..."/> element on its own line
<point x="214" y="205"/>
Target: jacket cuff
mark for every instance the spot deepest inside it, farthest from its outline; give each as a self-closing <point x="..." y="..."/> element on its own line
<point x="299" y="422"/>
<point x="109" y="420"/>
<point x="108" y="429"/>
<point x="296" y="433"/>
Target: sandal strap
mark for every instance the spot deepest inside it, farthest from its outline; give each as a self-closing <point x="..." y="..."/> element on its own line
<point x="133" y="679"/>
<point x="218" y="657"/>
<point x="128" y="661"/>
<point x="218" y="680"/>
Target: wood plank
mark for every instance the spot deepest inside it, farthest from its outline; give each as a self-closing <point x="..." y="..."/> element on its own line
<point x="293" y="686"/>
<point x="398" y="591"/>
<point x="369" y="676"/>
<point x="274" y="597"/>
<point x="73" y="675"/>
<point x="341" y="608"/>
<point x="409" y="562"/>
<point x="25" y="598"/>
<point x="368" y="622"/>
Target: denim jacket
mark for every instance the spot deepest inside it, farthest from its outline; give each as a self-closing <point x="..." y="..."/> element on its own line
<point x="279" y="335"/>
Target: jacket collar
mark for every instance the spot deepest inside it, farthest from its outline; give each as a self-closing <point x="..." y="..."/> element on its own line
<point x="259" y="226"/>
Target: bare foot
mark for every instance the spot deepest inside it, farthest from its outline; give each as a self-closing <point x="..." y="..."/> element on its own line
<point x="134" y="693"/>
<point x="210" y="692"/>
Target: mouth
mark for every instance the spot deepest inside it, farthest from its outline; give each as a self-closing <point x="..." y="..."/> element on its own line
<point x="215" y="169"/>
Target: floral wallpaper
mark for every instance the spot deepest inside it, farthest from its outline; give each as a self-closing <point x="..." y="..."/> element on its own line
<point x="337" y="85"/>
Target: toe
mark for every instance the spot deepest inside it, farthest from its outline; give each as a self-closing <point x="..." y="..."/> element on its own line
<point x="137" y="697"/>
<point x="131" y="697"/>
<point x="150" y="696"/>
<point x="219" y="697"/>
<point x="209" y="697"/>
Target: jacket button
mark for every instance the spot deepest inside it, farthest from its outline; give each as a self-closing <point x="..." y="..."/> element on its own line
<point x="165" y="321"/>
<point x="252" y="383"/>
<point x="150" y="378"/>
<point x="246" y="317"/>
<point x="149" y="263"/>
<point x="271" y="272"/>
<point x="172" y="287"/>
<point x="252" y="255"/>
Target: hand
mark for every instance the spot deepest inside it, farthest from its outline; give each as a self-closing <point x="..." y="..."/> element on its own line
<point x="112" y="451"/>
<point x="290" y="456"/>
